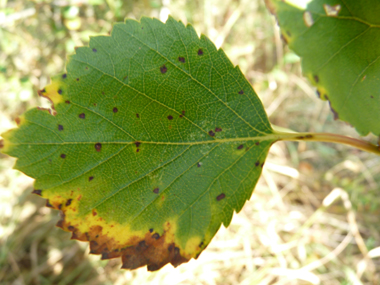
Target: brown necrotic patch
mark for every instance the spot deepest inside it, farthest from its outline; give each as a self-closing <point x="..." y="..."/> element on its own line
<point x="211" y="133"/>
<point x="82" y="115"/>
<point x="98" y="146"/>
<point x="156" y="190"/>
<point x="218" y="130"/>
<point x="60" y="128"/>
<point x="90" y="178"/>
<point x="156" y="236"/>
<point x="240" y="146"/>
<point x="37" y="192"/>
<point x="181" y="59"/>
<point x="137" y="116"/>
<point x="67" y="102"/>
<point x="163" y="69"/>
<point x="64" y="76"/>
<point x="48" y="204"/>
<point x="220" y="197"/>
<point x="63" y="155"/>
<point x="68" y="202"/>
<point x="257" y="163"/>
<point x="241" y="92"/>
<point x="155" y="251"/>
<point x="60" y="91"/>
<point x="170" y="117"/>
<point x="257" y="143"/>
<point x="115" y="110"/>
<point x="200" y="52"/>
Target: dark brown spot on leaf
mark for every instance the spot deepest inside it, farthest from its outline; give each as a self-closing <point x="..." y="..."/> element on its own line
<point x="241" y="92"/>
<point x="18" y="121"/>
<point x="60" y="128"/>
<point x="170" y="117"/>
<point x="156" y="190"/>
<point x="141" y="246"/>
<point x="48" y="204"/>
<point x="200" y="52"/>
<point x="90" y="178"/>
<point x="308" y="136"/>
<point x="94" y="50"/>
<point x="262" y="164"/>
<point x="181" y="59"/>
<point x="163" y="69"/>
<point x="211" y="133"/>
<point x="335" y="113"/>
<point x="257" y="163"/>
<point x="137" y="116"/>
<point x="199" y="164"/>
<point x="68" y="202"/>
<point x="257" y="143"/>
<point x="98" y="146"/>
<point x="77" y="79"/>
<point x="240" y="146"/>
<point x="156" y="236"/>
<point x="371" y="96"/>
<point x="67" y="102"/>
<point x="137" y="144"/>
<point x="220" y="197"/>
<point x="318" y="94"/>
<point x="137" y="150"/>
<point x="37" y="192"/>
<point x="151" y="230"/>
<point x="60" y="206"/>
<point x="60" y="91"/>
<point x="218" y="129"/>
<point x="283" y="39"/>
<point x="115" y="110"/>
<point x="316" y="78"/>
<point x="82" y="115"/>
<point x="300" y="137"/>
<point x="64" y="75"/>
<point x="63" y="155"/>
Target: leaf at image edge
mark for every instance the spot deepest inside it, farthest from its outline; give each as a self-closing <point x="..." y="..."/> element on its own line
<point x="338" y="45"/>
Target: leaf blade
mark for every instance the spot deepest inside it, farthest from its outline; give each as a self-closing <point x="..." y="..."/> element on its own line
<point x="154" y="145"/>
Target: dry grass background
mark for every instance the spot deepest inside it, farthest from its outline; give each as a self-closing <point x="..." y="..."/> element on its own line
<point x="313" y="218"/>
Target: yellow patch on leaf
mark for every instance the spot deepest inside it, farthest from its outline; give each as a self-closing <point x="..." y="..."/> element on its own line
<point x="111" y="239"/>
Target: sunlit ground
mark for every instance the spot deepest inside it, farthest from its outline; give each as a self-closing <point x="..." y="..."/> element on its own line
<point x="313" y="218"/>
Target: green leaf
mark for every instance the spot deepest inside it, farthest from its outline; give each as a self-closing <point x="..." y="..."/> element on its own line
<point x="339" y="43"/>
<point x="155" y="140"/>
